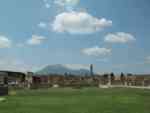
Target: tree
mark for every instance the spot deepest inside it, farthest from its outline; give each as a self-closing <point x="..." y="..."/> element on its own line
<point x="112" y="76"/>
<point x="122" y="78"/>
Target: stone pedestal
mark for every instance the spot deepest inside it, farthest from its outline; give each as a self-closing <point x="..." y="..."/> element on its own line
<point x="109" y="81"/>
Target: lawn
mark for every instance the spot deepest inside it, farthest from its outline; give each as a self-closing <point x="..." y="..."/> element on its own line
<point x="88" y="100"/>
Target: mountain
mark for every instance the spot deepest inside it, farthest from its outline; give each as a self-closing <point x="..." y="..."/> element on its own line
<point x="62" y="69"/>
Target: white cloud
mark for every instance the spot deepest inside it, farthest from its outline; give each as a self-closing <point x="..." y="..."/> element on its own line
<point x="42" y="25"/>
<point x="119" y="37"/>
<point x="12" y="64"/>
<point x="67" y="5"/>
<point x="79" y="23"/>
<point x="66" y="2"/>
<point x="47" y="4"/>
<point x="36" y="40"/>
<point x="96" y="51"/>
<point x="5" y="42"/>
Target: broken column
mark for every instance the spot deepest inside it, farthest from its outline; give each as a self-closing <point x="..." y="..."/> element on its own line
<point x="109" y="80"/>
<point x="29" y="79"/>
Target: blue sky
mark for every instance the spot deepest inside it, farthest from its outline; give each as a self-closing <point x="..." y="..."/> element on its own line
<point x="113" y="35"/>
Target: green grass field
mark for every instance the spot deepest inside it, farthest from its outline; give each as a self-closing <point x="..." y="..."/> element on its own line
<point x="67" y="100"/>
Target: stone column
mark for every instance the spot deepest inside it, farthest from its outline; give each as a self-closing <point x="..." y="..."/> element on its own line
<point x="29" y="79"/>
<point x="125" y="81"/>
<point x="109" y="80"/>
<point x="143" y="83"/>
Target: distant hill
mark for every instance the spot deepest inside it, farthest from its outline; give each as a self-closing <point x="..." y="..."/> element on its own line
<point x="62" y="69"/>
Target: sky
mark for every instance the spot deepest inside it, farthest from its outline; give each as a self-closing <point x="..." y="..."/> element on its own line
<point x="113" y="35"/>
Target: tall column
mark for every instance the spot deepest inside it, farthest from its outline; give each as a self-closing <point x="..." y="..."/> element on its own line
<point x="125" y="81"/>
<point x="109" y="80"/>
<point x="29" y="79"/>
<point x="91" y="70"/>
<point x="143" y="82"/>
